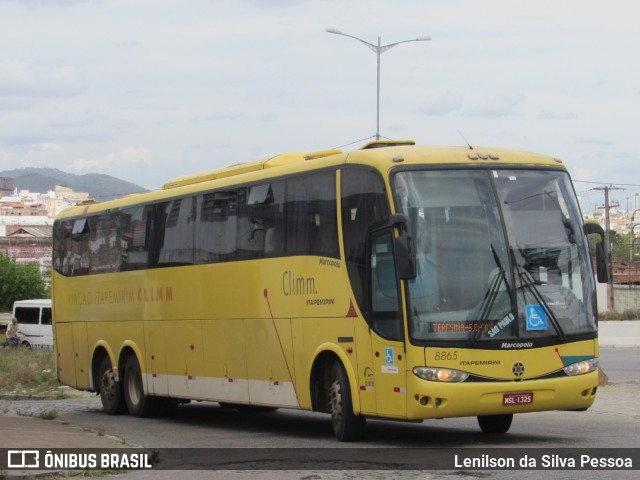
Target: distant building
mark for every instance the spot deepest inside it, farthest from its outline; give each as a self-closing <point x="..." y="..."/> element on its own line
<point x="29" y="245"/>
<point x="21" y="209"/>
<point x="7" y="185"/>
<point x="26" y="222"/>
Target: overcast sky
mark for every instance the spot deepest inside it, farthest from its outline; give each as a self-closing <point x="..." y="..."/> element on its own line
<point x="146" y="90"/>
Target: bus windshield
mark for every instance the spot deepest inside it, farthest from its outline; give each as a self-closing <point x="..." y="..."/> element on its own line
<point x="500" y="255"/>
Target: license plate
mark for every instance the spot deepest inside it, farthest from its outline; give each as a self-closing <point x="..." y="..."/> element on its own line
<point x="523" y="398"/>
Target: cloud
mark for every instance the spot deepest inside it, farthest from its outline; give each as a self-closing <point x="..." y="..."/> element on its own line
<point x="129" y="156"/>
<point x="225" y="116"/>
<point x="605" y="142"/>
<point x="45" y="3"/>
<point x="479" y="104"/>
<point x="441" y="104"/>
<point x="22" y="84"/>
<point x="549" y="115"/>
<point x="497" y="105"/>
<point x="35" y="155"/>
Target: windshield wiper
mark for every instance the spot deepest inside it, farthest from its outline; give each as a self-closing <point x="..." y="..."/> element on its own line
<point x="490" y="297"/>
<point x="528" y="281"/>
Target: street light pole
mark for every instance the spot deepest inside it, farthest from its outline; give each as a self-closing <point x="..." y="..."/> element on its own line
<point x="378" y="49"/>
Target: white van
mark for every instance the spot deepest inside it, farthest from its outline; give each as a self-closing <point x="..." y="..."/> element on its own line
<point x="34" y="321"/>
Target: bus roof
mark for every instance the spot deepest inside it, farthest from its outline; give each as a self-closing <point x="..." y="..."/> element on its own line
<point x="241" y="168"/>
<point x="381" y="154"/>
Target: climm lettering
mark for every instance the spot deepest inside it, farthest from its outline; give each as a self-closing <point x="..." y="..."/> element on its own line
<point x="155" y="294"/>
<point x="295" y="285"/>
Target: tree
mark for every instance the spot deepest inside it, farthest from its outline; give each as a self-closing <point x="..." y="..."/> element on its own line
<point x="619" y="246"/>
<point x="19" y="282"/>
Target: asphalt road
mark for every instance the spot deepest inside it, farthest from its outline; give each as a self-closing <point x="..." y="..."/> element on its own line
<point x="621" y="364"/>
<point x="613" y="422"/>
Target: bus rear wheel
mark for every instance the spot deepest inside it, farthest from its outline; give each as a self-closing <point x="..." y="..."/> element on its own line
<point x="138" y="404"/>
<point x="347" y="426"/>
<point x="110" y="389"/>
<point x="495" y="423"/>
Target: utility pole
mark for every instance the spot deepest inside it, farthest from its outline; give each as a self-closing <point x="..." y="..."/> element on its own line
<point x="632" y="238"/>
<point x="607" y="241"/>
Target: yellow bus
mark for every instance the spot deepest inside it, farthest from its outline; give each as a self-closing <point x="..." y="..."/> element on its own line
<point x="395" y="281"/>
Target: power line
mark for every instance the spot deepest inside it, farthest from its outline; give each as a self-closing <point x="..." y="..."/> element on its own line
<point x="607" y="183"/>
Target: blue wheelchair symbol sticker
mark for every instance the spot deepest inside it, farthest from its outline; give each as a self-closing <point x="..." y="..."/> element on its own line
<point x="388" y="355"/>
<point x="536" y="318"/>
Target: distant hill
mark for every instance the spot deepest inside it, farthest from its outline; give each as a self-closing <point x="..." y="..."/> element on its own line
<point x="100" y="187"/>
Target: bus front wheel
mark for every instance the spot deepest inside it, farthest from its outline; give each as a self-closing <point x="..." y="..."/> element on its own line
<point x="347" y="426"/>
<point x="495" y="423"/>
<point x="110" y="389"/>
<point x="138" y="404"/>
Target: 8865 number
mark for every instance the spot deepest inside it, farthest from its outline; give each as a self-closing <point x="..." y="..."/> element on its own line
<point x="446" y="355"/>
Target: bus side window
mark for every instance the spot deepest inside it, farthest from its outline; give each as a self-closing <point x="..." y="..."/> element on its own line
<point x="80" y="256"/>
<point x="104" y="243"/>
<point x="215" y="238"/>
<point x="177" y="246"/>
<point x="385" y="306"/>
<point x="136" y="226"/>
<point x="251" y="227"/>
<point x="311" y="215"/>
<point x="364" y="202"/>
<point x="61" y="245"/>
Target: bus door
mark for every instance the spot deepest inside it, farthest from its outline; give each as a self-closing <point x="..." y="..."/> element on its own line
<point x="385" y="320"/>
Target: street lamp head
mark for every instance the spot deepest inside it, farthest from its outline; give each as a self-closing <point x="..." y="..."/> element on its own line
<point x="423" y="39"/>
<point x="333" y="30"/>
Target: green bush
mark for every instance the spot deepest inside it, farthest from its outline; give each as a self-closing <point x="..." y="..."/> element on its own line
<point x="19" y="282"/>
<point x="24" y="371"/>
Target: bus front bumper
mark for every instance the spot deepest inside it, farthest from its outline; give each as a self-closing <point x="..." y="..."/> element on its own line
<point x="444" y="400"/>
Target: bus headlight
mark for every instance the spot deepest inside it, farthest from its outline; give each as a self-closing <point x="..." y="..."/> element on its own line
<point x="582" y="367"/>
<point x="440" y="374"/>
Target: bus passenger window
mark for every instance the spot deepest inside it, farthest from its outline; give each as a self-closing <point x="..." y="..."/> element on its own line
<point x="136" y="224"/>
<point x="215" y="237"/>
<point x="311" y="215"/>
<point x="177" y="247"/>
<point x="260" y="222"/>
<point x="104" y="243"/>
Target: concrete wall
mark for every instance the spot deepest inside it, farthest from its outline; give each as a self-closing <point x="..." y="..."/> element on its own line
<point x="625" y="297"/>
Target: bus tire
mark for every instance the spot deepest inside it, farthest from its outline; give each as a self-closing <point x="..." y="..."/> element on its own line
<point x="347" y="426"/>
<point x="495" y="423"/>
<point x="110" y="389"/>
<point x="138" y="404"/>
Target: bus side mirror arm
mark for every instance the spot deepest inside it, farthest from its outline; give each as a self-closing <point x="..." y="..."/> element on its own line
<point x="602" y="270"/>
